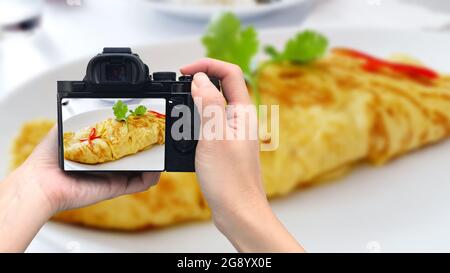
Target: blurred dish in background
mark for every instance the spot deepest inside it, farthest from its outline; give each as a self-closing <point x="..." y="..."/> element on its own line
<point x="19" y="15"/>
<point x="434" y="5"/>
<point x="214" y="2"/>
<point x="205" y="9"/>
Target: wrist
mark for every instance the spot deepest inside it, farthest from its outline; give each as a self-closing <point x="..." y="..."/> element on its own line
<point x="236" y="219"/>
<point x="254" y="227"/>
<point x="29" y="191"/>
<point x="230" y="214"/>
<point x="24" y="211"/>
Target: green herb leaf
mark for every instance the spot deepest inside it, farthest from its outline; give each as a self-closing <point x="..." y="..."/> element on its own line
<point x="120" y="110"/>
<point x="305" y="47"/>
<point x="140" y="110"/>
<point x="272" y="52"/>
<point x="226" y="40"/>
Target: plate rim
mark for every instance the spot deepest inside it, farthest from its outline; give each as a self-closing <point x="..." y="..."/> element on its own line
<point x="218" y="7"/>
<point x="196" y="37"/>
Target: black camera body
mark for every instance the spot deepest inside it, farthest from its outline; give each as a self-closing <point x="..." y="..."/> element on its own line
<point x="117" y="73"/>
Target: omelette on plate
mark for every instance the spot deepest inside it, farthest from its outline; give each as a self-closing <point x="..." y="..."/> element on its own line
<point x="335" y="112"/>
<point x="112" y="139"/>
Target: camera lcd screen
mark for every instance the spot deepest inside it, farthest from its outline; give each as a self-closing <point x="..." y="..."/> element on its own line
<point x="120" y="134"/>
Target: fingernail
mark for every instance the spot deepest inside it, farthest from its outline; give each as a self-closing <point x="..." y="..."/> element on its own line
<point x="201" y="80"/>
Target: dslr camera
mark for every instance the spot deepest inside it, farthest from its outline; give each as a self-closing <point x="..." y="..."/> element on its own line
<point x="122" y="118"/>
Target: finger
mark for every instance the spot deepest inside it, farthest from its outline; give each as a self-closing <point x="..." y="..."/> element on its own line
<point x="233" y="83"/>
<point x="151" y="178"/>
<point x="142" y="182"/>
<point x="50" y="141"/>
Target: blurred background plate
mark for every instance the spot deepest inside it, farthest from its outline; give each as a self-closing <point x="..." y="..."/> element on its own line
<point x="402" y="206"/>
<point x="205" y="11"/>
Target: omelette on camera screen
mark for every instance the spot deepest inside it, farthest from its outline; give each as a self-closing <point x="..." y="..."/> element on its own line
<point x="113" y="134"/>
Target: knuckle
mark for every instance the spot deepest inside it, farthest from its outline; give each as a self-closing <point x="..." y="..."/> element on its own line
<point x="236" y="70"/>
<point x="214" y="99"/>
<point x="195" y="92"/>
<point x="207" y="61"/>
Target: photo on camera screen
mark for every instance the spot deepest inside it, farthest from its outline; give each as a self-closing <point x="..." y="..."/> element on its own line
<point x="126" y="134"/>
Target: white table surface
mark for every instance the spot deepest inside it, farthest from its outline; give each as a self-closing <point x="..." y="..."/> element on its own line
<point x="71" y="31"/>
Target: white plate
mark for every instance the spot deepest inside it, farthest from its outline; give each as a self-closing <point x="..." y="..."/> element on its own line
<point x="204" y="12"/>
<point x="399" y="207"/>
<point x="148" y="160"/>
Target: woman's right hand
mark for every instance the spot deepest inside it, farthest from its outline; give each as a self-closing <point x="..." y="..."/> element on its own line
<point x="228" y="166"/>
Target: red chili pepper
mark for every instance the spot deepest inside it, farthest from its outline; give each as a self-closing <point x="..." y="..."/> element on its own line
<point x="92" y="133"/>
<point x="92" y="136"/>
<point x="159" y="115"/>
<point x="374" y="64"/>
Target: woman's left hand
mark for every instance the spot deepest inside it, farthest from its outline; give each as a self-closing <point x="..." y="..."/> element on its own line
<point x="39" y="188"/>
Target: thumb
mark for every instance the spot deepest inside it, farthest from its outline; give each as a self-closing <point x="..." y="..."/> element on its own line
<point x="210" y="104"/>
<point x="206" y="93"/>
<point x="49" y="144"/>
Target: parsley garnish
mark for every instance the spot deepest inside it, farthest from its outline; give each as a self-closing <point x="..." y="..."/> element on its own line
<point x="121" y="111"/>
<point x="226" y="40"/>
